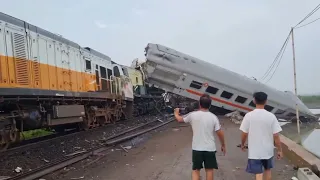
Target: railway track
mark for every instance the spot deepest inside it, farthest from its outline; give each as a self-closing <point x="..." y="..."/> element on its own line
<point x="43" y="139"/>
<point x="107" y="144"/>
<point x="30" y="142"/>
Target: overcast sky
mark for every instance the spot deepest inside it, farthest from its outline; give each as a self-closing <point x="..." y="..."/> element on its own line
<point x="242" y="36"/>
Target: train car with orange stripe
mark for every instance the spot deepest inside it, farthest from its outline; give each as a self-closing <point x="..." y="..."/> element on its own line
<point x="49" y="81"/>
<point x="187" y="76"/>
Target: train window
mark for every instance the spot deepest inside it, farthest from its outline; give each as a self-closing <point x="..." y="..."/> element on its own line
<point x="212" y="90"/>
<point x="103" y="72"/>
<point x="116" y="71"/>
<point x="252" y="104"/>
<point x="97" y="67"/>
<point x="88" y="65"/>
<point x="279" y="111"/>
<point x="268" y="108"/>
<point x="241" y="99"/>
<point x="109" y="73"/>
<point x="291" y="114"/>
<point x="125" y="71"/>
<point x="226" y="94"/>
<point x="196" y="85"/>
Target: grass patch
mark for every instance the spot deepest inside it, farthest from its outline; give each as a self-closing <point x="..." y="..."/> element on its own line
<point x="310" y="99"/>
<point x="35" y="133"/>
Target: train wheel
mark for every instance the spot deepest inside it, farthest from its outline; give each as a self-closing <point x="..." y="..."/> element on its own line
<point x="14" y="135"/>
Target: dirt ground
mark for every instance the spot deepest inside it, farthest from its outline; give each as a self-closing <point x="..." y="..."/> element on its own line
<point x="167" y="156"/>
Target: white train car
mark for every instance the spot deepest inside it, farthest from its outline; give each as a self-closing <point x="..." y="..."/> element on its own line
<point x="190" y="77"/>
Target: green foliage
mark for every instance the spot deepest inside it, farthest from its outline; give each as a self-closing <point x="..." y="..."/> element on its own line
<point x="35" y="133"/>
<point x="310" y="99"/>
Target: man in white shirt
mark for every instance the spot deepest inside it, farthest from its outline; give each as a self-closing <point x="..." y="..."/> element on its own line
<point x="203" y="123"/>
<point x="262" y="128"/>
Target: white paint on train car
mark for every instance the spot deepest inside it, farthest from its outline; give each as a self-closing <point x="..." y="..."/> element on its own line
<point x="191" y="69"/>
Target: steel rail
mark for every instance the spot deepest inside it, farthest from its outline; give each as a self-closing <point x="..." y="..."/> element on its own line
<point x="53" y="137"/>
<point x="54" y="166"/>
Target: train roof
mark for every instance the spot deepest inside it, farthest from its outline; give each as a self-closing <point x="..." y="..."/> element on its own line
<point x="36" y="29"/>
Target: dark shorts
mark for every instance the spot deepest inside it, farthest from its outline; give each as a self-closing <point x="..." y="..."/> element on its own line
<point x="208" y="158"/>
<point x="256" y="166"/>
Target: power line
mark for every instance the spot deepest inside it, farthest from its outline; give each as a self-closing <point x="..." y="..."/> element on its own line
<point x="286" y="43"/>
<point x="308" y="23"/>
<point x="276" y="58"/>
<point x="281" y="52"/>
<point x="310" y="14"/>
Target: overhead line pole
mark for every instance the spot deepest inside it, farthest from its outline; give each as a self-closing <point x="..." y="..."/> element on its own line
<point x="295" y="86"/>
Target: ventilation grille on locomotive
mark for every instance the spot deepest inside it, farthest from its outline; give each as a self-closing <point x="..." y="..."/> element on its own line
<point x="22" y="69"/>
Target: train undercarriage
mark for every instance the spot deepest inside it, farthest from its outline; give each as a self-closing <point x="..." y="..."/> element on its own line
<point x="24" y="113"/>
<point x="27" y="113"/>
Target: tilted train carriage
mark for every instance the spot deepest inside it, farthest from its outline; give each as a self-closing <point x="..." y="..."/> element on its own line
<point x="190" y="77"/>
<point x="49" y="81"/>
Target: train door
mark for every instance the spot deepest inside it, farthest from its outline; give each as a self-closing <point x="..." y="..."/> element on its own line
<point x="97" y="77"/>
<point x="89" y="77"/>
<point x="59" y="69"/>
<point x="65" y="67"/>
<point x="34" y="54"/>
<point x="104" y="79"/>
<point x="52" y="80"/>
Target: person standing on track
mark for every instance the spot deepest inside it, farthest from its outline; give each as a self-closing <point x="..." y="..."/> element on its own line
<point x="203" y="123"/>
<point x="261" y="127"/>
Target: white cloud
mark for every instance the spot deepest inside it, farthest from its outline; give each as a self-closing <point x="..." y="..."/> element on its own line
<point x="100" y="24"/>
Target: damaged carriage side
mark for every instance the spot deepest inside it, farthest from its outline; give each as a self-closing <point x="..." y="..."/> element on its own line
<point x="189" y="77"/>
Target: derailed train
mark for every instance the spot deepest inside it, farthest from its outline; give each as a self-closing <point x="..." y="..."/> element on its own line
<point x="49" y="81"/>
<point x="187" y="76"/>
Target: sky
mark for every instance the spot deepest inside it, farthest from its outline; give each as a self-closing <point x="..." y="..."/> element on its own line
<point x="242" y="36"/>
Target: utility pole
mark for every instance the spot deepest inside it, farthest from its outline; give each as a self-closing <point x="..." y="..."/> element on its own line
<point x="295" y="86"/>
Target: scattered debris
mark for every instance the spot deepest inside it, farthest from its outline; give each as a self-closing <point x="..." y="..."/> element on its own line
<point x="77" y="152"/>
<point x="18" y="169"/>
<point x="175" y="129"/>
<point x="82" y="177"/>
<point x="158" y="119"/>
<point x="46" y="160"/>
<point x="235" y="117"/>
<point x="124" y="148"/>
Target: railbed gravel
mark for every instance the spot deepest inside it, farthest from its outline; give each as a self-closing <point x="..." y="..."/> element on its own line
<point x="38" y="155"/>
